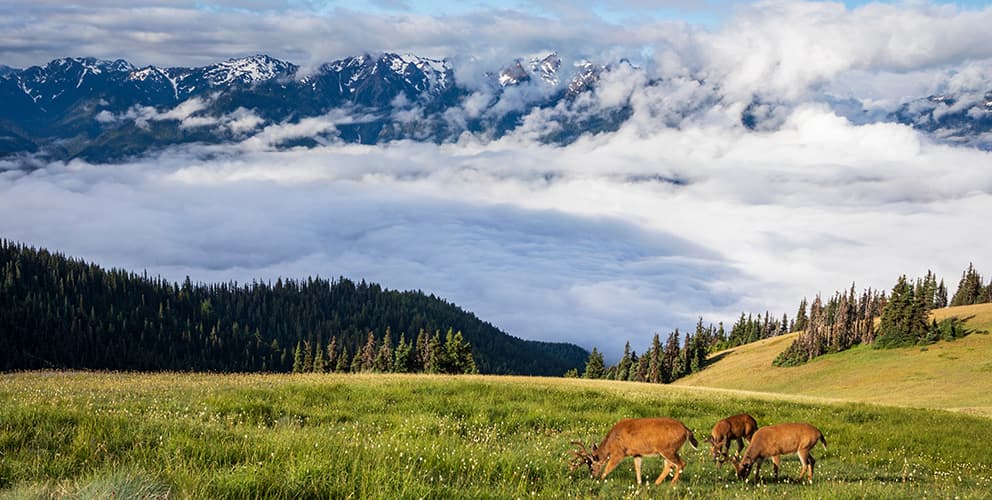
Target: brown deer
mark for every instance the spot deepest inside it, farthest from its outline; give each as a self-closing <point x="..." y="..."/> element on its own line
<point x="637" y="437"/>
<point x="780" y="439"/>
<point x="725" y="432"/>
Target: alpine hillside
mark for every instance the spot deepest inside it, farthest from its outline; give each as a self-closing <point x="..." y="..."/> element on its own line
<point x="952" y="375"/>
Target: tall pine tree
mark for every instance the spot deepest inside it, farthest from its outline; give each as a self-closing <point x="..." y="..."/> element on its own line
<point x="595" y="366"/>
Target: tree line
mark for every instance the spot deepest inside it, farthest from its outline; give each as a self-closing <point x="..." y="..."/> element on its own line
<point x="835" y="324"/>
<point x="677" y="357"/>
<point x="660" y="362"/>
<point x="426" y="354"/>
<point x="59" y="312"/>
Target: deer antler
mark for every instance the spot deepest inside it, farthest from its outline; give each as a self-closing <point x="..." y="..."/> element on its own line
<point x="581" y="456"/>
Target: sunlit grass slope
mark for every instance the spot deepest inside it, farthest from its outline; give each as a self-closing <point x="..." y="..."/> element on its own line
<point x="948" y="375"/>
<point x="81" y="435"/>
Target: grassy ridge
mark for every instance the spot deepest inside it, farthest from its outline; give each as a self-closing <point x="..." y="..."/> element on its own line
<point x="327" y="436"/>
<point x="948" y="375"/>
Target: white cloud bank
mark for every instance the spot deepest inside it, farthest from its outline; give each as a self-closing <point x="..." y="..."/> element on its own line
<point x="587" y="243"/>
<point x="580" y="243"/>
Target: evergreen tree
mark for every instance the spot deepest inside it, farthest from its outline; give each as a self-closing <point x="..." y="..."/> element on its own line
<point x="926" y="289"/>
<point x="332" y="353"/>
<point x="623" y="367"/>
<point x="801" y="319"/>
<point x="654" y="365"/>
<point x="422" y="352"/>
<point x="435" y="354"/>
<point x="356" y="362"/>
<point x="904" y="318"/>
<point x="298" y="358"/>
<point x="459" y="354"/>
<point x="635" y="363"/>
<point x="383" y="362"/>
<point x="318" y="360"/>
<point x="343" y="362"/>
<point x="367" y="359"/>
<point x="307" y="357"/>
<point x="696" y="349"/>
<point x="404" y="356"/>
<point x="970" y="288"/>
<point x="940" y="299"/>
<point x="595" y="366"/>
<point x="669" y="360"/>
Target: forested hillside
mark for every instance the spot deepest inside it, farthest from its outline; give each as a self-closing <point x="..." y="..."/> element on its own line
<point x="58" y="312"/>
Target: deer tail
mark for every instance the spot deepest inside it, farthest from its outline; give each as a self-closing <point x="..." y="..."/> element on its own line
<point x="692" y="439"/>
<point x="824" y="441"/>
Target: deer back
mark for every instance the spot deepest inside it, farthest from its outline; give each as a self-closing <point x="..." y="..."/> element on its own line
<point x="737" y="426"/>
<point x="781" y="439"/>
<point x="644" y="436"/>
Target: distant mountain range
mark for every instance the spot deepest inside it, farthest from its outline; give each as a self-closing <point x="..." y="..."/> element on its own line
<point x="106" y="111"/>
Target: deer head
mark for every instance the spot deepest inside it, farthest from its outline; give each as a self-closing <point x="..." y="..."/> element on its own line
<point x="716" y="449"/>
<point x="742" y="466"/>
<point x="582" y="456"/>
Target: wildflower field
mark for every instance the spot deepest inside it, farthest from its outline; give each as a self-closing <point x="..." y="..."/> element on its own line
<point x="96" y="435"/>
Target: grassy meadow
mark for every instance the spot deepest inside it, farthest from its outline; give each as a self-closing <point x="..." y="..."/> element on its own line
<point x="95" y="435"/>
<point x="952" y="375"/>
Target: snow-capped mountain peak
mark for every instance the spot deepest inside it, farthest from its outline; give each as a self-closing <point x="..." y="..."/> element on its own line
<point x="247" y="70"/>
<point x="547" y="67"/>
<point x="419" y="74"/>
<point x="513" y="74"/>
<point x="544" y="67"/>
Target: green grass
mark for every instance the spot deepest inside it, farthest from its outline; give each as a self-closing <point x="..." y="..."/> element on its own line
<point x="84" y="435"/>
<point x="952" y="375"/>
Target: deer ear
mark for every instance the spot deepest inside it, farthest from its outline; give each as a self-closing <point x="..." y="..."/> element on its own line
<point x="594" y="447"/>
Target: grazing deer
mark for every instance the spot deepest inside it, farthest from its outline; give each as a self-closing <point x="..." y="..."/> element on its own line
<point x="776" y="440"/>
<point x="637" y="437"/>
<point x="725" y="432"/>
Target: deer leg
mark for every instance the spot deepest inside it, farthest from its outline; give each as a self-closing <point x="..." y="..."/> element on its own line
<point x="724" y="456"/>
<point x="611" y="464"/>
<point x="776" y="463"/>
<point x="664" y="473"/>
<point x="679" y="465"/>
<point x="668" y="468"/>
<point x="637" y="468"/>
<point x="809" y="467"/>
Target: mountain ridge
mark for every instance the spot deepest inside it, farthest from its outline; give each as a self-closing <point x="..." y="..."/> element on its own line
<point x="109" y="110"/>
